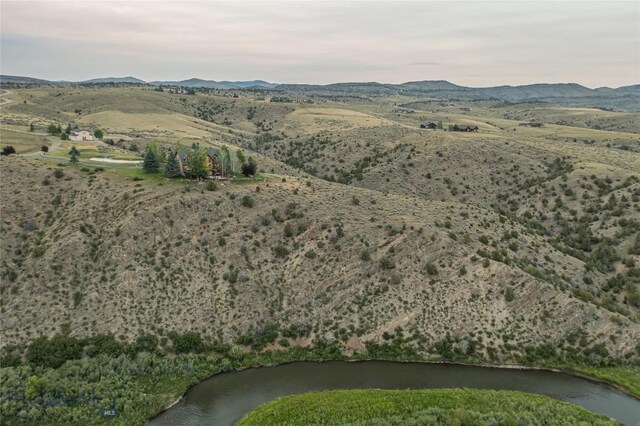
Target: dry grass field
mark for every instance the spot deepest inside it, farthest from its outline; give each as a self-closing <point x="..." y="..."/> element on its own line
<point x="371" y="230"/>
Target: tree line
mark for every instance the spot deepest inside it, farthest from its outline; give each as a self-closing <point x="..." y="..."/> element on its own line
<point x="230" y="163"/>
<point x="56" y="130"/>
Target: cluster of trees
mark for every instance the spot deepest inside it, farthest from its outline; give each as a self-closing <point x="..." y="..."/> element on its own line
<point x="124" y="376"/>
<point x="8" y="150"/>
<point x="197" y="160"/>
<point x="282" y="99"/>
<point x="56" y="130"/>
<point x="67" y="379"/>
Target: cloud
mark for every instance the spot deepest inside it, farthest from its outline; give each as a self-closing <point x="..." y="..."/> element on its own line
<point x="474" y="43"/>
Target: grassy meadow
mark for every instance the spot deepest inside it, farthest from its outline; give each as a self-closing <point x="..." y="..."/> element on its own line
<point x="424" y="407"/>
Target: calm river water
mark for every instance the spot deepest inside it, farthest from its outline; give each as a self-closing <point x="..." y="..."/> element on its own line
<point x="225" y="398"/>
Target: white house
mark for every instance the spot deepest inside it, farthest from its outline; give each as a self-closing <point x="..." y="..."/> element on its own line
<point x="80" y="135"/>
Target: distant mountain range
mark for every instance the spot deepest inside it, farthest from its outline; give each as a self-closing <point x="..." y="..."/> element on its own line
<point x="193" y="82"/>
<point x="623" y="98"/>
<point x="211" y="84"/>
<point x="130" y="80"/>
<point x="441" y="87"/>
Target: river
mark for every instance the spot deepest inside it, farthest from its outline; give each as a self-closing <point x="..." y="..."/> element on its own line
<point x="224" y="399"/>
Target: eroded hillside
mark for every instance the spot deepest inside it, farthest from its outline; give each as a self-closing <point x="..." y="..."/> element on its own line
<point x="368" y="228"/>
<point x="107" y="254"/>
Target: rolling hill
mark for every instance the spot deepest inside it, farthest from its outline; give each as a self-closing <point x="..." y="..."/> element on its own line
<point x="625" y="98"/>
<point x="369" y="228"/>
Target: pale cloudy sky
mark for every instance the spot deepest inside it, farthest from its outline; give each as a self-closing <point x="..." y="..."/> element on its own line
<point x="480" y="43"/>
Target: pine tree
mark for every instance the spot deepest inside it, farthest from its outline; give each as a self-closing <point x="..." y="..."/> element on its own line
<point x="151" y="163"/>
<point x="249" y="167"/>
<point x="157" y="151"/>
<point x="172" y="169"/>
<point x="73" y="154"/>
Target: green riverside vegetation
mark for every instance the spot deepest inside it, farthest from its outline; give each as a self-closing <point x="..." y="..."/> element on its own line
<point x="420" y="407"/>
<point x="65" y="380"/>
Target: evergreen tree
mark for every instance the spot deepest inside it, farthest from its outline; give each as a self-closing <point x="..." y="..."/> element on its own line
<point x="249" y="167"/>
<point x="8" y="150"/>
<point x="31" y="127"/>
<point x="54" y="129"/>
<point x="172" y="169"/>
<point x="157" y="151"/>
<point x="151" y="163"/>
<point x="73" y="154"/>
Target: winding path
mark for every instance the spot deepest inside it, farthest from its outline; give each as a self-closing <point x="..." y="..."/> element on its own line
<point x="4" y="101"/>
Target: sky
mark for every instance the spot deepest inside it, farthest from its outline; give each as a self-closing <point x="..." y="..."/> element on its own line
<point x="481" y="43"/>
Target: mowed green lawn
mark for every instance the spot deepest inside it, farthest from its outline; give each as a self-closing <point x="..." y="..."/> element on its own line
<point x="420" y="407"/>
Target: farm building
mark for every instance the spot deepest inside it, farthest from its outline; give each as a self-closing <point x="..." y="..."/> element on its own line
<point x="80" y="135"/>
<point x="457" y="128"/>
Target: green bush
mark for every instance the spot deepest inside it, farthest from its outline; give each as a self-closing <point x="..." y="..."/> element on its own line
<point x="509" y="294"/>
<point x="387" y="263"/>
<point x="431" y="269"/>
<point x="187" y="342"/>
<point x="247" y="201"/>
<point x="55" y="352"/>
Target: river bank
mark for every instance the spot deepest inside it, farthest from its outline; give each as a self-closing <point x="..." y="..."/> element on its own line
<point x="143" y="385"/>
<point x="202" y="394"/>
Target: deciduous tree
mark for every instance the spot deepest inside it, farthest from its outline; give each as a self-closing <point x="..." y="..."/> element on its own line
<point x="198" y="163"/>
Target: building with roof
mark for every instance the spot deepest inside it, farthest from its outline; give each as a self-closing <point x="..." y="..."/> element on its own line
<point x="80" y="135"/>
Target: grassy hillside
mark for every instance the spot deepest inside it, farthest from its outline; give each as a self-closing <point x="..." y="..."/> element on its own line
<point x="362" y="232"/>
<point x="339" y="262"/>
<point x="425" y="407"/>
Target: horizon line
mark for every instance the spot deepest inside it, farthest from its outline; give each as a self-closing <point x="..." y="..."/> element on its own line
<point x="315" y="84"/>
